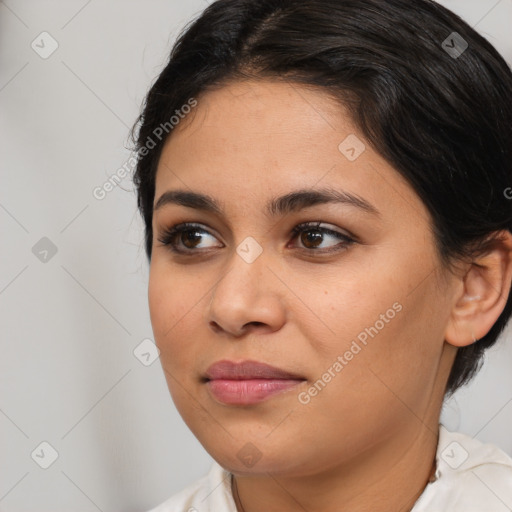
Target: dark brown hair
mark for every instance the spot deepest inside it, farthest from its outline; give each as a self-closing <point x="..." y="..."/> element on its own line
<point x="431" y="96"/>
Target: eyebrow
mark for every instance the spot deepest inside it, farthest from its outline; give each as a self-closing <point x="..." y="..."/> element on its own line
<point x="288" y="203"/>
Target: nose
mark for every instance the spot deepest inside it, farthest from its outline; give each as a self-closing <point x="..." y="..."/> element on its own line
<point x="249" y="297"/>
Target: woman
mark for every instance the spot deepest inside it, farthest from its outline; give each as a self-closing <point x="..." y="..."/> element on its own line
<point x="326" y="188"/>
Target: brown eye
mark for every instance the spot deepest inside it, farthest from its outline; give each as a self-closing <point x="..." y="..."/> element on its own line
<point x="190" y="238"/>
<point x="185" y="238"/>
<point x="311" y="236"/>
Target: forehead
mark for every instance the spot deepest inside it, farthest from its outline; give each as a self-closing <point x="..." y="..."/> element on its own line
<point x="257" y="139"/>
<point x="277" y="114"/>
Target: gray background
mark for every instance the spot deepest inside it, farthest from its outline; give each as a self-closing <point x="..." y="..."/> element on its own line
<point x="72" y="320"/>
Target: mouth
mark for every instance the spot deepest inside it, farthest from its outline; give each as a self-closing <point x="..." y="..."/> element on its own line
<point x="248" y="382"/>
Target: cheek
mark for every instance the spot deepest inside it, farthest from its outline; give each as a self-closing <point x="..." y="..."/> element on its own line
<point x="168" y="307"/>
<point x="400" y="352"/>
<point x="385" y="332"/>
<point x="384" y="380"/>
<point x="161" y="302"/>
<point x="359" y="307"/>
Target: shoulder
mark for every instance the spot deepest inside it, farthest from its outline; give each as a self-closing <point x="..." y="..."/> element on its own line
<point x="211" y="493"/>
<point x="471" y="476"/>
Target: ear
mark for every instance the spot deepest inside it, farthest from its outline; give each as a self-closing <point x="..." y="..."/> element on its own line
<point x="483" y="294"/>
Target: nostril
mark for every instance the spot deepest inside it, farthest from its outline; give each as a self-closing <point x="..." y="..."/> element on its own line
<point x="257" y="324"/>
<point x="216" y="327"/>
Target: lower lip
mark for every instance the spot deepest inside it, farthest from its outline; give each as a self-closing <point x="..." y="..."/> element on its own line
<point x="246" y="392"/>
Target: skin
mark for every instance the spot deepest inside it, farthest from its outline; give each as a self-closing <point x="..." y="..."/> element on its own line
<point x="367" y="440"/>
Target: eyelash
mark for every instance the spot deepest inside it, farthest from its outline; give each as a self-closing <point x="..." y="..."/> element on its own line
<point x="167" y="237"/>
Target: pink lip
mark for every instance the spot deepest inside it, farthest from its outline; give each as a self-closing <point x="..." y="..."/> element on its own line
<point x="247" y="382"/>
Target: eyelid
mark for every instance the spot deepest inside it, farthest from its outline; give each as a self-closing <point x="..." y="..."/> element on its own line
<point x="167" y="235"/>
<point x="346" y="239"/>
<point x="322" y="226"/>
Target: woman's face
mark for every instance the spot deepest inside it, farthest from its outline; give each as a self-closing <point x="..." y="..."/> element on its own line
<point x="354" y="307"/>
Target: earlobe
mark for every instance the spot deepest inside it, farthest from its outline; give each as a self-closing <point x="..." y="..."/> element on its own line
<point x="485" y="290"/>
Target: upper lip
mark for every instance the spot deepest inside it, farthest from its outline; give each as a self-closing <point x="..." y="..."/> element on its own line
<point x="246" y="370"/>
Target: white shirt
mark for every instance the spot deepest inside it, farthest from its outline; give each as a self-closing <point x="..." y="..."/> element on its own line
<point x="470" y="477"/>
